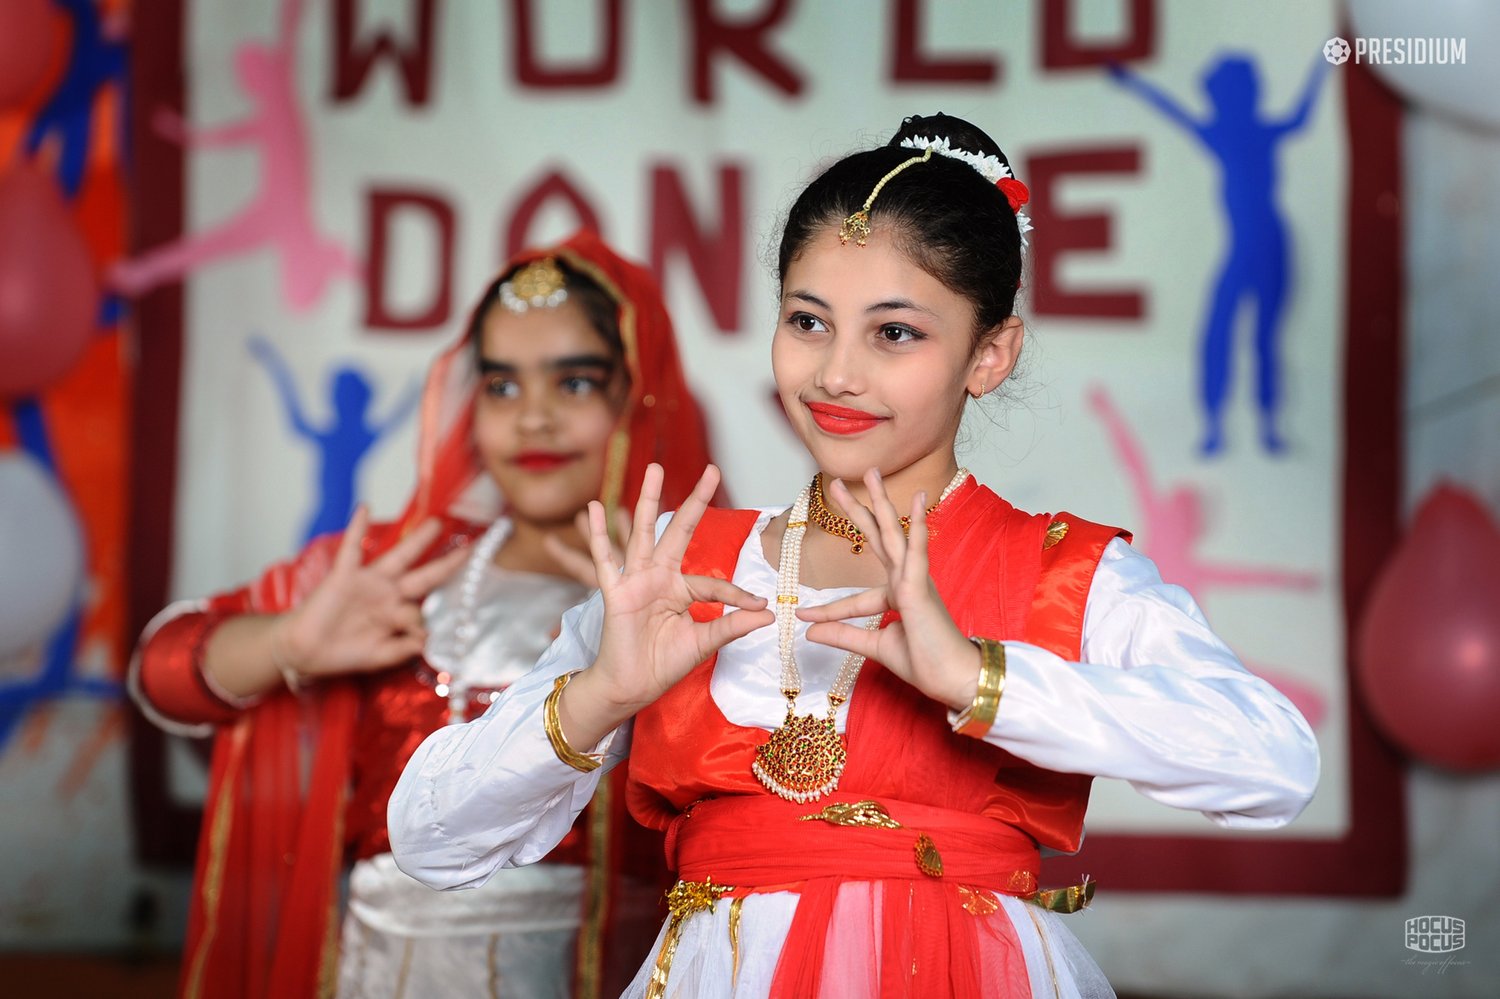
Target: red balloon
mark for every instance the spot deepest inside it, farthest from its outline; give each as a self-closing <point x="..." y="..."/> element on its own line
<point x="1428" y="646"/>
<point x="49" y="296"/>
<point x="28" y="34"/>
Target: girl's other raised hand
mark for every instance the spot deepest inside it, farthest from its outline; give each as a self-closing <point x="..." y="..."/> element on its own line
<point x="364" y="617"/>
<point x="924" y="648"/>
<point x="649" y="639"/>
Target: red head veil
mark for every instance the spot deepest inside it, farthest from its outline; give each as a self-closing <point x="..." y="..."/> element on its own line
<point x="263" y="920"/>
<point x="661" y="422"/>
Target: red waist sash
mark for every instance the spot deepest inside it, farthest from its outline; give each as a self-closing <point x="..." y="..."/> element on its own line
<point x="762" y="841"/>
<point x="919" y="916"/>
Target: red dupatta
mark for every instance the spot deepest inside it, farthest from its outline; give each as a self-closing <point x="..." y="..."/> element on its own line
<point x="262" y="919"/>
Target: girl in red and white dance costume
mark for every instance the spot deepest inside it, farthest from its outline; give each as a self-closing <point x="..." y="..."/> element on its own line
<point x="320" y="678"/>
<point x="860" y="719"/>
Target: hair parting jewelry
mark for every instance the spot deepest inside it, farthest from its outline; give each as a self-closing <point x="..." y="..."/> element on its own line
<point x="857" y="226"/>
<point x="541" y="284"/>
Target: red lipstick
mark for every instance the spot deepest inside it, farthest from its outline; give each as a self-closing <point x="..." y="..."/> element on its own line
<point x="541" y="461"/>
<point x="841" y="420"/>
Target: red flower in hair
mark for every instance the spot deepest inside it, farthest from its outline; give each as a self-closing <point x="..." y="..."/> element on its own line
<point x="1015" y="192"/>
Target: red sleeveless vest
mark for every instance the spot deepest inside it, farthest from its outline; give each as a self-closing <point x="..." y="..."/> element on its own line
<point x="1002" y="574"/>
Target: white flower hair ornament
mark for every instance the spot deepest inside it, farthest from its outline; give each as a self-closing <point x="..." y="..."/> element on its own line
<point x="991" y="168"/>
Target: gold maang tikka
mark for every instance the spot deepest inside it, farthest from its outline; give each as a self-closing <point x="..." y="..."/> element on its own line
<point x="541" y="284"/>
<point x="857" y="226"/>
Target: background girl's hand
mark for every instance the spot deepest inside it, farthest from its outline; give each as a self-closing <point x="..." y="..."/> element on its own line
<point x="362" y="618"/>
<point x="924" y="648"/>
<point x="649" y="639"/>
<point x="580" y="565"/>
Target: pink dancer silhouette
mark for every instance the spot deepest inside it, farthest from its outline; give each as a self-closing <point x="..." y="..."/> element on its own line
<point x="280" y="214"/>
<point x="1175" y="524"/>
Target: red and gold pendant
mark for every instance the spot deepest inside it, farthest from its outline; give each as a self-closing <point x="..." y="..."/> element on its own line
<point x="803" y="760"/>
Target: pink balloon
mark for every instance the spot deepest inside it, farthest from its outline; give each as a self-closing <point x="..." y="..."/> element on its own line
<point x="49" y="296"/>
<point x="1428" y="646"/>
<point x="28" y="35"/>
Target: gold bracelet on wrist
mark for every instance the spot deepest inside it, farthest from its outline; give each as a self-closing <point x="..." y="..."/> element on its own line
<point x="977" y="719"/>
<point x="582" y="762"/>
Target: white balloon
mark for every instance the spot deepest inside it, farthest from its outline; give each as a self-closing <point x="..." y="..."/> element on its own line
<point x="41" y="554"/>
<point x="1466" y="90"/>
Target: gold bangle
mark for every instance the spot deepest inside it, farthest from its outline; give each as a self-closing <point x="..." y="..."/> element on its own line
<point x="979" y="717"/>
<point x="582" y="762"/>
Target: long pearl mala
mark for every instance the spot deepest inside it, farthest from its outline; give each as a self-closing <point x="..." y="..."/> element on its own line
<point x="466" y="631"/>
<point x="803" y="759"/>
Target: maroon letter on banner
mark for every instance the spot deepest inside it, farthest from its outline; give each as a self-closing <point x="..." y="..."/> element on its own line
<point x="910" y="65"/>
<point x="710" y="33"/>
<point x="554" y="185"/>
<point x="352" y="64"/>
<point x="529" y="69"/>
<point x="383" y="204"/>
<point x="1058" y="234"/>
<point x="1061" y="51"/>
<point x="716" y="257"/>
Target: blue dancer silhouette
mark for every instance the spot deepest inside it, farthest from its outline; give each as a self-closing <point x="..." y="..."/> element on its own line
<point x="343" y="443"/>
<point x="68" y="114"/>
<point x="1257" y="261"/>
<point x="59" y="676"/>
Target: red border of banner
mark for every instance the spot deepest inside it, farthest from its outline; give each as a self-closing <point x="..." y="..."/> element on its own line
<point x="1369" y="860"/>
<point x="166" y="832"/>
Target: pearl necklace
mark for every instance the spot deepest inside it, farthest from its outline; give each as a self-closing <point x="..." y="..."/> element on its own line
<point x="803" y="759"/>
<point x="465" y="633"/>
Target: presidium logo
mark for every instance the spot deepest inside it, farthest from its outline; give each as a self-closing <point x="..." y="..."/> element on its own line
<point x="1398" y="51"/>
<point x="1435" y="934"/>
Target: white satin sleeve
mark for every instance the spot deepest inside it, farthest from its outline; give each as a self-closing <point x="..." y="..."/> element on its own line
<point x="1159" y="701"/>
<point x="492" y="793"/>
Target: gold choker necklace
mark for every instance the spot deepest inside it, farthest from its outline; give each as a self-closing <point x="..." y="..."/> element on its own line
<point x="842" y="527"/>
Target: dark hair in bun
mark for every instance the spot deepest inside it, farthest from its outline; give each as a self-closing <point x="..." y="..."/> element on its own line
<point x="945" y="217"/>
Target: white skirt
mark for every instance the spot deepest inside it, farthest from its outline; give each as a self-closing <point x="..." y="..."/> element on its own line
<point x="1057" y="965"/>
<point x="512" y="938"/>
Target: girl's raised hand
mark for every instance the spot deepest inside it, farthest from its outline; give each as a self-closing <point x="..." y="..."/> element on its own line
<point x="362" y="618"/>
<point x="649" y="639"/>
<point x="924" y="648"/>
<point x="579" y="565"/>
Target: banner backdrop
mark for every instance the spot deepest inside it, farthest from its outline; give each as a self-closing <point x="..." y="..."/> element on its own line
<point x="328" y="183"/>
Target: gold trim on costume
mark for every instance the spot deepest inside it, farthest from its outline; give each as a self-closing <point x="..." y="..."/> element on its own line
<point x="1066" y="900"/>
<point x="328" y="961"/>
<point x="866" y="813"/>
<point x="402" y="974"/>
<point x="978" y="901"/>
<point x="618" y="456"/>
<point x="735" y="906"/>
<point x="686" y="899"/>
<point x="1041" y="937"/>
<point x="1056" y="531"/>
<point x="929" y="861"/>
<point x="590" y="961"/>
<point x="213" y="880"/>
